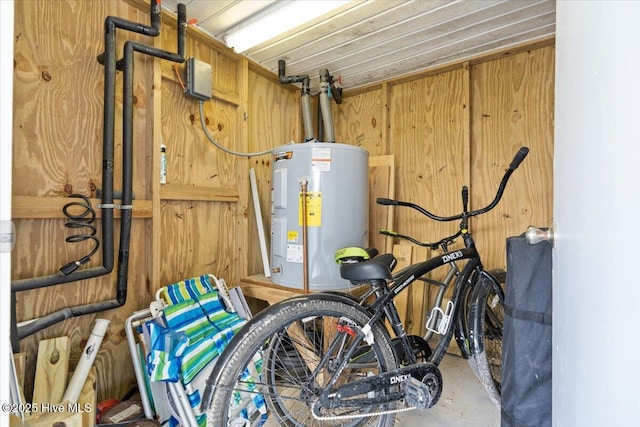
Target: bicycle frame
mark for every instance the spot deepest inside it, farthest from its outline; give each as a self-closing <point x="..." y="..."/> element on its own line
<point x="341" y="373"/>
<point x="384" y="305"/>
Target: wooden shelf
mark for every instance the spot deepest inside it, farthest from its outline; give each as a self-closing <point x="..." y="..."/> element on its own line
<point x="260" y="287"/>
<point x="192" y="192"/>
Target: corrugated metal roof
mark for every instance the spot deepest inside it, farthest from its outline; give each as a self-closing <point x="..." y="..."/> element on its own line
<point x="368" y="41"/>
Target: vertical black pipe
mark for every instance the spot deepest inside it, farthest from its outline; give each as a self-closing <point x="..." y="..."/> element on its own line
<point x="108" y="129"/>
<point x="127" y="171"/>
<point x="108" y="59"/>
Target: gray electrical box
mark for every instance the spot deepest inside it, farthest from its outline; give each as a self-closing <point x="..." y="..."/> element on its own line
<point x="199" y="79"/>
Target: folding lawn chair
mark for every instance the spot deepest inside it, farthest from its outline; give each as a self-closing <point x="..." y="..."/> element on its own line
<point x="179" y="338"/>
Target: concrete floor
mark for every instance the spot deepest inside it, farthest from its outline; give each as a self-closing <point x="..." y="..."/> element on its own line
<point x="464" y="402"/>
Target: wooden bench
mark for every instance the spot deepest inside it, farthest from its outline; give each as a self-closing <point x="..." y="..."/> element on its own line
<point x="262" y="288"/>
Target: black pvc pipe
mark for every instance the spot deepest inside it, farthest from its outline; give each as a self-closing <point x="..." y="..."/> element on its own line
<point x="108" y="59"/>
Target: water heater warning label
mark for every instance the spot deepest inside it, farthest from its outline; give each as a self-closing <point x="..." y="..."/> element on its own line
<point x="321" y="159"/>
<point x="294" y="253"/>
<point x="314" y="209"/>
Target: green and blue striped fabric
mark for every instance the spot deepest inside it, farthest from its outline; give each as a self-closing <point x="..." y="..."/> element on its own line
<point x="187" y="289"/>
<point x="196" y="329"/>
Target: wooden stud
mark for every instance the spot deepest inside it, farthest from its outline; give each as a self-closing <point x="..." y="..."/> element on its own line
<point x="418" y="292"/>
<point x="403" y="256"/>
<point x="56" y="419"/>
<point x="87" y="400"/>
<point x="20" y="362"/>
<point x="52" y="370"/>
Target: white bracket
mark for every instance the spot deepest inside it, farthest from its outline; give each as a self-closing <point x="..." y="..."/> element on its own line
<point x="7" y="236"/>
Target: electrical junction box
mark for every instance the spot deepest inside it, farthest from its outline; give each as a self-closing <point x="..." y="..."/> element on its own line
<point x="199" y="79"/>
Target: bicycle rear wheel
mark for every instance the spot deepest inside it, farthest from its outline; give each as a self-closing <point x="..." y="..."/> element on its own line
<point x="299" y="343"/>
<point x="487" y="320"/>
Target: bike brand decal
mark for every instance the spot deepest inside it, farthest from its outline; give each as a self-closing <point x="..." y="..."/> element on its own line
<point x="398" y="288"/>
<point x="399" y="379"/>
<point x="452" y="256"/>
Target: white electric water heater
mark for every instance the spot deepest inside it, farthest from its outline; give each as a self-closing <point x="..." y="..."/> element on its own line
<point x="337" y="211"/>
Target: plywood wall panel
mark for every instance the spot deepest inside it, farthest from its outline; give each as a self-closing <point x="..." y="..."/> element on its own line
<point x="462" y="127"/>
<point x="201" y="237"/>
<point x="191" y="158"/>
<point x="58" y="114"/>
<point x="56" y="124"/>
<point x="359" y="121"/>
<point x="200" y="240"/>
<point x="427" y="138"/>
<point x="512" y="107"/>
<point x="273" y="120"/>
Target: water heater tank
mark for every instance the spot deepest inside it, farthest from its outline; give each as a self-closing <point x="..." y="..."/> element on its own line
<point x="337" y="211"/>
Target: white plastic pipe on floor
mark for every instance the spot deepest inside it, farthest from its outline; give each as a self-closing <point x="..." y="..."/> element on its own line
<point x="86" y="361"/>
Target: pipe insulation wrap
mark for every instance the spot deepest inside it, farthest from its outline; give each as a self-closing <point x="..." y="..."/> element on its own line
<point x="307" y="118"/>
<point x="325" y="108"/>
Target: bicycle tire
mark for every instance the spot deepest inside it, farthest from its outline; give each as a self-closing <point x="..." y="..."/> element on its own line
<point x="281" y="334"/>
<point x="487" y="320"/>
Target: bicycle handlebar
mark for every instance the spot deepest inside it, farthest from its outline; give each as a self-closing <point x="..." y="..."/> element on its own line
<point x="517" y="159"/>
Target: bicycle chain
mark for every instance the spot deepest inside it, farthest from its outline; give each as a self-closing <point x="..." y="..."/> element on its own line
<point x="352" y="416"/>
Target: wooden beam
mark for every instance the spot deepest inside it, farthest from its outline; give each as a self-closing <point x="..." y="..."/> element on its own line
<point x="382" y="179"/>
<point x="20" y="362"/>
<point x="52" y="370"/>
<point x="192" y="192"/>
<point x="55" y="418"/>
<point x="403" y="256"/>
<point x="87" y="400"/>
<point x="39" y="207"/>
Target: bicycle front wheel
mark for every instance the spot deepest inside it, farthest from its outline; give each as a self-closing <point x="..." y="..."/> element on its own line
<point x="487" y="320"/>
<point x="275" y="370"/>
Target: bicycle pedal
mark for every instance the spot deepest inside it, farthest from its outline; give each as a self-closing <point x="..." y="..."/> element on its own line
<point x="426" y="393"/>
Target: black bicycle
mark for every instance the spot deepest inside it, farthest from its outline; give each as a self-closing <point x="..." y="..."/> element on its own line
<point x="328" y="359"/>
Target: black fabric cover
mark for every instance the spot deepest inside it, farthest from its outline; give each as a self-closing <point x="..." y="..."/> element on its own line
<point x="526" y="352"/>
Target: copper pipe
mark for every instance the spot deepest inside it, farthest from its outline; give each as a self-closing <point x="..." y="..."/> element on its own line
<point x="305" y="267"/>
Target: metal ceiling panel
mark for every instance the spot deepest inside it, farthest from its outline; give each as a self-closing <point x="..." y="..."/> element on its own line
<point x="368" y="41"/>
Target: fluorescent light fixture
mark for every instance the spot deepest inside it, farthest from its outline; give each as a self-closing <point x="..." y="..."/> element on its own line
<point x="277" y="21"/>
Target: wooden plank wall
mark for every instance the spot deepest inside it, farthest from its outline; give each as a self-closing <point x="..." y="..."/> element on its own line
<point x="57" y="151"/>
<point x="274" y="120"/>
<point x="462" y="126"/>
<point x="197" y="223"/>
<point x="459" y="126"/>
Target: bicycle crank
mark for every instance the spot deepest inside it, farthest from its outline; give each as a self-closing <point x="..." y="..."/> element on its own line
<point x="420" y="385"/>
<point x="426" y="393"/>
